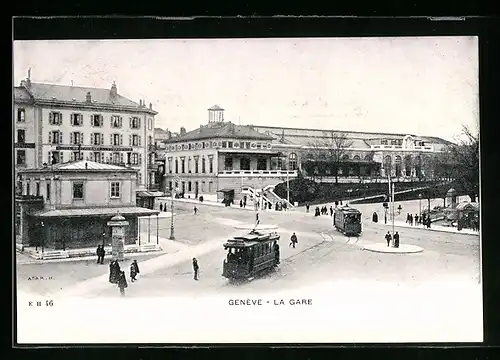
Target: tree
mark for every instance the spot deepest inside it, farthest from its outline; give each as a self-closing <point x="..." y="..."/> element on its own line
<point x="331" y="150"/>
<point x="465" y="169"/>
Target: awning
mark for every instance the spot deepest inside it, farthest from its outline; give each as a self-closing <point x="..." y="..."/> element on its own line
<point x="149" y="193"/>
<point x="130" y="210"/>
<point x="225" y="190"/>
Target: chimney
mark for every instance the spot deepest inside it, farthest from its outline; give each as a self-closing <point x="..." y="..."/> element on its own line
<point x="183" y="130"/>
<point x="114" y="90"/>
<point x="169" y="134"/>
<point x="89" y="98"/>
<point x="150" y="106"/>
<point x="140" y="102"/>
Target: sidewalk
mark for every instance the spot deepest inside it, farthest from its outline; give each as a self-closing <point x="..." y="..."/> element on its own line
<point x="206" y="202"/>
<point x="432" y="228"/>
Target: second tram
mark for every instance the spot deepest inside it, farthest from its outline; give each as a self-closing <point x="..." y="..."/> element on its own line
<point x="347" y="220"/>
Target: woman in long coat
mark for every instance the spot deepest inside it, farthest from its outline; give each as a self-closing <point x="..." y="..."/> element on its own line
<point x="122" y="283"/>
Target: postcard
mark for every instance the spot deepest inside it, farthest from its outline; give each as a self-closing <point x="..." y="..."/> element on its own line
<point x="251" y="190"/>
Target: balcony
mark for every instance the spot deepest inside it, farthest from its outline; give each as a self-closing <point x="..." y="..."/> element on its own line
<point x="257" y="173"/>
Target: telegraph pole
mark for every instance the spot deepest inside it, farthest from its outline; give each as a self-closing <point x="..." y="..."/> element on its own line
<point x="392" y="213"/>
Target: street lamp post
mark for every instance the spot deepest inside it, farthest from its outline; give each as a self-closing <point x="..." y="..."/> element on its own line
<point x="172" y="237"/>
<point x="419" y="206"/>
<point x="42" y="235"/>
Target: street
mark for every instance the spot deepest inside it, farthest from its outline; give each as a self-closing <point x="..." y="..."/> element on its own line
<point x="322" y="255"/>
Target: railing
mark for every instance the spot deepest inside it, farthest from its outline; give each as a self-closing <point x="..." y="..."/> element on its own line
<point x="399" y="147"/>
<point x="277" y="173"/>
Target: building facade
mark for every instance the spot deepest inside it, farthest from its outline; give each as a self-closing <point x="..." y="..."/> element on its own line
<point x="221" y="157"/>
<point x="58" y="124"/>
<point x="219" y="160"/>
<point x="67" y="205"/>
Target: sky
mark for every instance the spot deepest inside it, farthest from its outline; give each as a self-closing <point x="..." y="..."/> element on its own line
<point x="425" y="86"/>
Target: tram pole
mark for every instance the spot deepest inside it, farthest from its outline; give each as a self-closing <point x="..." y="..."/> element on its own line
<point x="157" y="238"/>
<point x="392" y="214"/>
<point x="172" y="237"/>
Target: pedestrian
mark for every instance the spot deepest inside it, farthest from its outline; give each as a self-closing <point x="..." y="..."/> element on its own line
<point x="411" y="219"/>
<point x="257" y="218"/>
<point x="399" y="209"/>
<point x="161" y="207"/>
<point x="195" y="210"/>
<point x="196" y="268"/>
<point x="98" y="253"/>
<point x="276" y="252"/>
<point x="396" y="240"/>
<point x="388" y="238"/>
<point x="122" y="283"/>
<point x="241" y="203"/>
<point x="375" y="217"/>
<point x="293" y="240"/>
<point x="316" y="211"/>
<point x="416" y="219"/>
<point x="336" y="203"/>
<point x="307" y="207"/>
<point x="407" y="218"/>
<point x="428" y="222"/>
<point x="133" y="273"/>
<point x="102" y="253"/>
<point x="331" y="211"/>
<point x="114" y="271"/>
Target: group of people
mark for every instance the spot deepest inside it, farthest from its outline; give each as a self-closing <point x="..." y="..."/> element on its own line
<point x="388" y="238"/>
<point x="163" y="207"/>
<point x="322" y="211"/>
<point x="117" y="276"/>
<point x="415" y="220"/>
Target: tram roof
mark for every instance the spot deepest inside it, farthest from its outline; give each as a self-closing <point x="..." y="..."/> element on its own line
<point x="348" y="209"/>
<point x="251" y="239"/>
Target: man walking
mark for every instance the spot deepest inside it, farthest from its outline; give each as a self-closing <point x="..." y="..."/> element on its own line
<point x="396" y="240"/>
<point x="102" y="252"/>
<point x="195" y="268"/>
<point x="388" y="238"/>
<point x="195" y="210"/>
<point x="293" y="240"/>
<point x="98" y="253"/>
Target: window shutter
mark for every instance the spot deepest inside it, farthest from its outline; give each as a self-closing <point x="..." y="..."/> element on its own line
<point x="111" y="121"/>
<point x="130" y="140"/>
<point x="121" y="121"/>
<point x="91" y="139"/>
<point x="102" y="138"/>
<point x="110" y="139"/>
<point x="138" y="123"/>
<point x="81" y="138"/>
<point x="61" y="157"/>
<point x="102" y="157"/>
<point x="72" y="156"/>
<point x="51" y="118"/>
<point x="139" y="140"/>
<point x="60" y="118"/>
<point x="121" y="139"/>
<point x="50" y="137"/>
<point x="71" y="138"/>
<point x="130" y="122"/>
<point x="121" y="158"/>
<point x="140" y="159"/>
<point x="60" y="137"/>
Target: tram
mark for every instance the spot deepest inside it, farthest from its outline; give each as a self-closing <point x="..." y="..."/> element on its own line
<point x="347" y="220"/>
<point x="251" y="255"/>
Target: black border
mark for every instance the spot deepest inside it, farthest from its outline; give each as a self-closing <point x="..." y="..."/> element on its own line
<point x="201" y="27"/>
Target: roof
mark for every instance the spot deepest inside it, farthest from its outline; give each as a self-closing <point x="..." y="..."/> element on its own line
<point x="78" y="94"/>
<point x="468" y="206"/>
<point x="21" y="94"/>
<point x="81" y="165"/>
<point x="128" y="210"/>
<point x="215" y="107"/>
<point x="224" y="130"/>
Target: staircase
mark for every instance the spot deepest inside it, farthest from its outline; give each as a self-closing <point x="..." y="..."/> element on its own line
<point x="254" y="195"/>
<point x="270" y="194"/>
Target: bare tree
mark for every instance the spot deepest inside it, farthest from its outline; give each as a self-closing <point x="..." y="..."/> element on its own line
<point x="331" y="150"/>
<point x="465" y="169"/>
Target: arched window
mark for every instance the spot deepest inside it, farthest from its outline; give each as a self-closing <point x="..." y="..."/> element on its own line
<point x="292" y="161"/>
<point x="418" y="166"/>
<point x="368" y="157"/>
<point x="356" y="158"/>
<point x="345" y="157"/>
<point x="397" y="161"/>
<point x="408" y="165"/>
<point x="388" y="164"/>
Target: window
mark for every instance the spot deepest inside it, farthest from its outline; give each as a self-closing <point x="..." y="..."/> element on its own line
<point x="383" y="142"/>
<point x="189" y="186"/>
<point x="228" y="163"/>
<point x="203" y="165"/>
<point x="136" y="140"/>
<point x="135" y="122"/>
<point x="183" y="166"/>
<point x="55" y="118"/>
<point x="245" y="163"/>
<point x="76" y="119"/>
<point x="116" y="157"/>
<point x="21" y="115"/>
<point x="55" y="157"/>
<point x="150" y="140"/>
<point x="292" y="161"/>
<point x="196" y="168"/>
<point x="150" y="124"/>
<point x="116" y="139"/>
<point x="261" y="164"/>
<point x="76" y="138"/>
<point x="116" y="121"/>
<point x="170" y="185"/>
<point x="279" y="163"/>
<point x="115" y="188"/>
<point x="21" y="136"/>
<point x="76" y="155"/>
<point x="96" y="139"/>
<point x="96" y="120"/>
<point x="134" y="159"/>
<point x="230" y="144"/>
<point x="189" y="165"/>
<point x="28" y="188"/>
<point x="97" y="156"/>
<point x="48" y="191"/>
<point x="78" y="190"/>
<point x="176" y="166"/>
<point x="170" y="165"/>
<point x="37" y="187"/>
<point x="55" y="137"/>
<point x="210" y="165"/>
<point x="210" y="184"/>
<point x="224" y="144"/>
